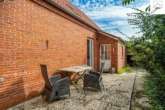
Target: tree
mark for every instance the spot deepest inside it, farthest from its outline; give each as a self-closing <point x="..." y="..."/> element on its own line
<point x="126" y="2"/>
<point x="148" y="51"/>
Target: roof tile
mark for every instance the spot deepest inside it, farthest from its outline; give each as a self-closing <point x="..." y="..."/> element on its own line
<point x="65" y="4"/>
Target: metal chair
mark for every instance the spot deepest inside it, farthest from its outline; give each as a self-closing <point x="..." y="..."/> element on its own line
<point x="55" y="87"/>
<point x="93" y="79"/>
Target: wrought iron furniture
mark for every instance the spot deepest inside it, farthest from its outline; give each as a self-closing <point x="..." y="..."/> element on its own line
<point x="76" y="74"/>
<point x="55" y="87"/>
<point x="93" y="79"/>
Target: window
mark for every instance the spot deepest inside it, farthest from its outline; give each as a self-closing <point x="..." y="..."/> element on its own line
<point x="105" y="51"/>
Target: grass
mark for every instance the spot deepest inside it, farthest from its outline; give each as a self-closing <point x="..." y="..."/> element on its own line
<point x="124" y="70"/>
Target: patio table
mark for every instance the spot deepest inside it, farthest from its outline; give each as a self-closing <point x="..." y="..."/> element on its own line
<point x="76" y="70"/>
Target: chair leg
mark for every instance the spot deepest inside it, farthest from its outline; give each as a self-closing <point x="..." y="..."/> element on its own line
<point x="102" y="86"/>
<point x="84" y="90"/>
<point x="69" y="92"/>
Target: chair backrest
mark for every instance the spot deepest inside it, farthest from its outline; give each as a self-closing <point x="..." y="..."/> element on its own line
<point x="45" y="76"/>
<point x="62" y="86"/>
<point x="54" y="78"/>
<point x="102" y="68"/>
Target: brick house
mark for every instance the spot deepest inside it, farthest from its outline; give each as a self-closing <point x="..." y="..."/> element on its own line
<point x="51" y="32"/>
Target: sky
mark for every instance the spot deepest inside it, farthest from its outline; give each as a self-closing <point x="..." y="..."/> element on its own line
<point x="112" y="15"/>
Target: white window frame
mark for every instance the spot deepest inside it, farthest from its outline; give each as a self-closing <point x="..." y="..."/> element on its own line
<point x="91" y="52"/>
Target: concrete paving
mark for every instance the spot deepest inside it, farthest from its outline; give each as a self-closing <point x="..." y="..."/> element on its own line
<point x="116" y="96"/>
<point x="139" y="99"/>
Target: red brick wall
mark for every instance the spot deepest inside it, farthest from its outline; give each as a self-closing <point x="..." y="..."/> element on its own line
<point x="31" y="35"/>
<point x="25" y="27"/>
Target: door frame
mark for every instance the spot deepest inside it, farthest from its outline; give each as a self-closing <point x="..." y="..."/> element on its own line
<point x="109" y="55"/>
<point x="90" y="52"/>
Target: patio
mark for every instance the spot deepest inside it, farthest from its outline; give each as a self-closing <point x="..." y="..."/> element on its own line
<point x="117" y="95"/>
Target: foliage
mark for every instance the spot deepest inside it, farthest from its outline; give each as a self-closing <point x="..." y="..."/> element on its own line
<point x="126" y="2"/>
<point x="148" y="51"/>
<point x="155" y="88"/>
<point x="124" y="69"/>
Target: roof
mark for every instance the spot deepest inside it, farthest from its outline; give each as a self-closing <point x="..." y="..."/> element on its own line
<point x="111" y="35"/>
<point x="66" y="6"/>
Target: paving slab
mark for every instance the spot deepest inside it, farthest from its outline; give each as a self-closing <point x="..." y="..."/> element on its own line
<point x="139" y="100"/>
